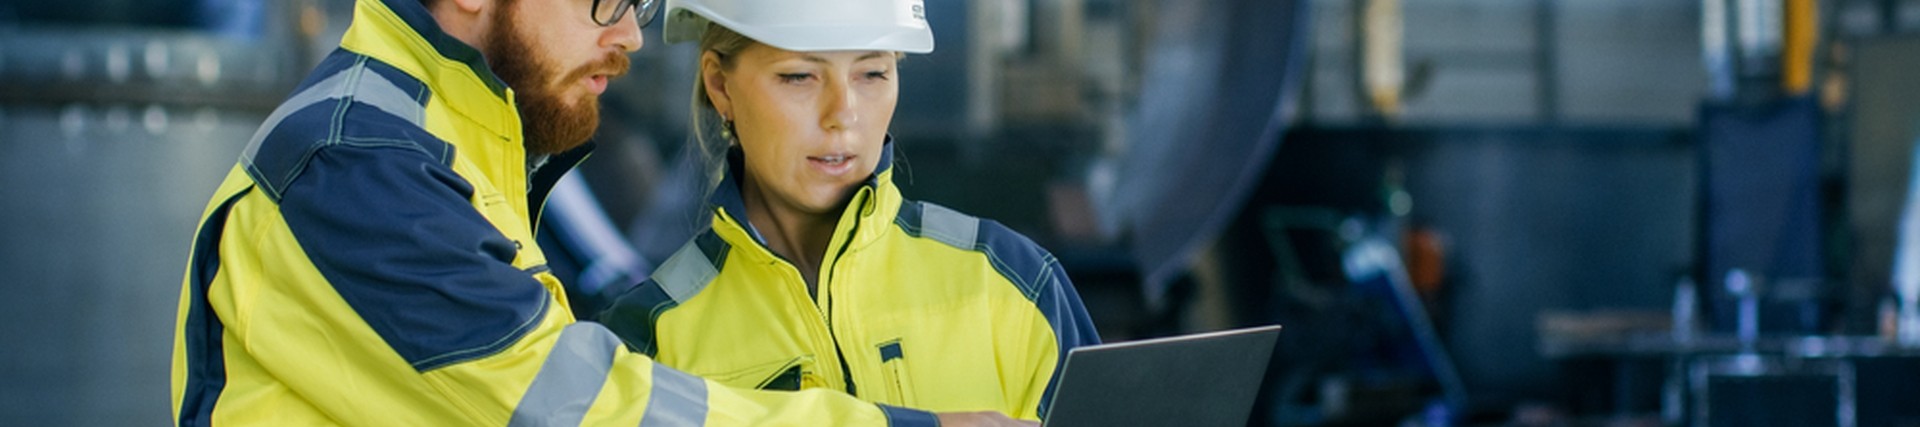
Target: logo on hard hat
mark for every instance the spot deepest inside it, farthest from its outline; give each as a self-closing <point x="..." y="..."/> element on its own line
<point x="917" y="11"/>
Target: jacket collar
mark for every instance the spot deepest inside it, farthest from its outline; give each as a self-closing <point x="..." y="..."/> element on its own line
<point x="542" y="178"/>
<point x="874" y="204"/>
<point x="403" y="34"/>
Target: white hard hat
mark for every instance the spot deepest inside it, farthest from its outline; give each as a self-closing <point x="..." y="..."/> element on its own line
<point x="808" y="25"/>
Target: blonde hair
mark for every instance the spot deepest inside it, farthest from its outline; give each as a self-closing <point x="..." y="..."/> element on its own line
<point x="706" y="123"/>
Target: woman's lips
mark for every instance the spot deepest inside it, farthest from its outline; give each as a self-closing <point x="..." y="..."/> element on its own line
<point x="832" y="164"/>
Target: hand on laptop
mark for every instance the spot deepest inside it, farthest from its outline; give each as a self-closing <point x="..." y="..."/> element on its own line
<point x="981" y="419"/>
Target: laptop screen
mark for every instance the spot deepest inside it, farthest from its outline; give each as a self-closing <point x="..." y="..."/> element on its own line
<point x="1207" y="379"/>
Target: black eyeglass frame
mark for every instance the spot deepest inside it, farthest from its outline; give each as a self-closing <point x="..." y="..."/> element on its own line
<point x="647" y="11"/>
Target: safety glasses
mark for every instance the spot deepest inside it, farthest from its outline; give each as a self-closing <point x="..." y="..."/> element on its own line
<point x="608" y="12"/>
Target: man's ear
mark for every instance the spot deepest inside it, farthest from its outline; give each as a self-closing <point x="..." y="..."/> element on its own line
<point x="713" y="78"/>
<point x="466" y="20"/>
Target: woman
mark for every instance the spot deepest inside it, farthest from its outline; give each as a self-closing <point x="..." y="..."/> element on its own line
<point x="816" y="273"/>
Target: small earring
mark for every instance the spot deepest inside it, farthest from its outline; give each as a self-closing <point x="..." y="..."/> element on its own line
<point x="726" y="129"/>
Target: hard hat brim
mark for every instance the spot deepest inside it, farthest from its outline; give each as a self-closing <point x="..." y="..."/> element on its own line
<point x="687" y="23"/>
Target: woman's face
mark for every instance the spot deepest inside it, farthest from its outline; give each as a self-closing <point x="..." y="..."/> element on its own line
<point x="810" y="123"/>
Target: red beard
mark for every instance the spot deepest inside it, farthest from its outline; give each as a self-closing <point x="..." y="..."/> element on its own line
<point x="551" y="126"/>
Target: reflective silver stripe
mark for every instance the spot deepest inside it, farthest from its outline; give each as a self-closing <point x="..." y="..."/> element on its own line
<point x="949" y="226"/>
<point x="326" y="89"/>
<point x="685" y="273"/>
<point x="570" y="378"/>
<point x="678" y="399"/>
<point x="376" y="90"/>
<point x="365" y="87"/>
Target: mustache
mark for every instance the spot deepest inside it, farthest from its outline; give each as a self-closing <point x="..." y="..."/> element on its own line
<point x="613" y="65"/>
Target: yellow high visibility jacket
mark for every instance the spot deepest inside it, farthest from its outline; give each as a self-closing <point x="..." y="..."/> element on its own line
<point x="916" y="305"/>
<point x="370" y="261"/>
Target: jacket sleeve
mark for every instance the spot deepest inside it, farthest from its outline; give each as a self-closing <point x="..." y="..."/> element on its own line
<point x="1061" y="325"/>
<point x="441" y="327"/>
<point x="1056" y="321"/>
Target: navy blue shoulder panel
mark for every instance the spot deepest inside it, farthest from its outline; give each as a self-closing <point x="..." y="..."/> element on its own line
<point x="393" y="230"/>
<point x="377" y="101"/>
<point x="634" y="315"/>
<point x="1034" y="270"/>
<point x="350" y="99"/>
<point x="336" y="61"/>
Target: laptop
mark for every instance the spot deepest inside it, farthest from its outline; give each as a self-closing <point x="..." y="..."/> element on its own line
<point x="1201" y="380"/>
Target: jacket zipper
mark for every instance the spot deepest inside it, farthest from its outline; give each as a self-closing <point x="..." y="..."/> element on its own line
<point x="794" y="274"/>
<point x="845" y="370"/>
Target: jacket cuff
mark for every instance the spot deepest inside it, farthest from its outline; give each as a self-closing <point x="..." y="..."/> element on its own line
<point x="903" y="417"/>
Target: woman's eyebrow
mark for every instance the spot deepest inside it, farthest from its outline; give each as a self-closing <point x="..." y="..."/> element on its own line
<point x="820" y="60"/>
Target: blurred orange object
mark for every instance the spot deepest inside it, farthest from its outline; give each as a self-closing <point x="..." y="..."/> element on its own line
<point x="1426" y="255"/>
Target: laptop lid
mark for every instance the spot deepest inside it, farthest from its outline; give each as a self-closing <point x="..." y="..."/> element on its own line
<point x="1207" y="379"/>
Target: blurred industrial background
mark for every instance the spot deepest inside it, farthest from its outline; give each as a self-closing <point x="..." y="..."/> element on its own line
<point x="1465" y="212"/>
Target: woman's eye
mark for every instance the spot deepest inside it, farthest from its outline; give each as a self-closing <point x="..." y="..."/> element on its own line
<point x="794" y="77"/>
<point x="877" y="75"/>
